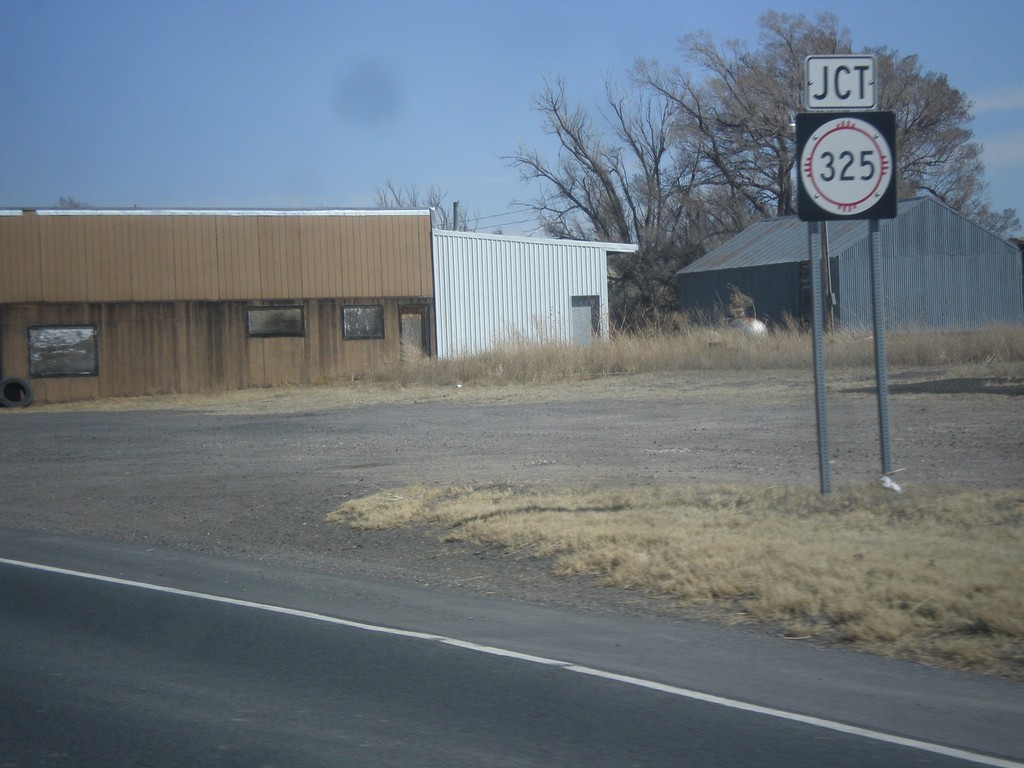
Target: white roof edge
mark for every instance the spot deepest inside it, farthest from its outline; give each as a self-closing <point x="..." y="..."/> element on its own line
<point x="217" y="212"/>
<point x="615" y="247"/>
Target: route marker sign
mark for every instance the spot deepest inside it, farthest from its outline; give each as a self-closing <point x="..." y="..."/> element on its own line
<point x="847" y="165"/>
<point x="839" y="82"/>
<point x="846" y="170"/>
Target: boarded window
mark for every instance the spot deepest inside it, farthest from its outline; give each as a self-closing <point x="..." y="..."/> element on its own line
<point x="276" y="321"/>
<point x="364" y="322"/>
<point x="68" y="350"/>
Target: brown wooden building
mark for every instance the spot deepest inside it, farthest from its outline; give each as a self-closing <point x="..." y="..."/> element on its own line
<point x="100" y="303"/>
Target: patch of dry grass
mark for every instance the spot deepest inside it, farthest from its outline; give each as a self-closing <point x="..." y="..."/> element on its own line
<point x="929" y="575"/>
<point x="693" y="347"/>
<point x="994" y="352"/>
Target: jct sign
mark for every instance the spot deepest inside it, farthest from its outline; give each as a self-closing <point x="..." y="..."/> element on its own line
<point x="839" y="82"/>
<point x="846" y="166"/>
<point x="846" y="170"/>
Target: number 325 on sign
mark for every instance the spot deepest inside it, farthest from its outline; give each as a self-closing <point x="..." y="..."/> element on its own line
<point x="847" y="165"/>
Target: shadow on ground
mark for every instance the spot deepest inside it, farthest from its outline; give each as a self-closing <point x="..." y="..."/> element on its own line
<point x="1011" y="387"/>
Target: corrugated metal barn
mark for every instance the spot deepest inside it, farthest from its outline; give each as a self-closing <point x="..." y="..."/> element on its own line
<point x="98" y="303"/>
<point x="493" y="288"/>
<point x="939" y="270"/>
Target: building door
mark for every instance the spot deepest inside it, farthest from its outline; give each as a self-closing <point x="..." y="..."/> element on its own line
<point x="414" y="327"/>
<point x="586" y="318"/>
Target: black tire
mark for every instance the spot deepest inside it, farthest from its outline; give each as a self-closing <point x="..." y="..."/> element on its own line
<point x="15" y="393"/>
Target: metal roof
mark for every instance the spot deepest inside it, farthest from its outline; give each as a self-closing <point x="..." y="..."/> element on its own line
<point x="481" y="236"/>
<point x="784" y="240"/>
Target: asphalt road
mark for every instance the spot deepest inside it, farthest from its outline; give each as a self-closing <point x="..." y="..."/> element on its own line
<point x="101" y="674"/>
<point x="110" y="673"/>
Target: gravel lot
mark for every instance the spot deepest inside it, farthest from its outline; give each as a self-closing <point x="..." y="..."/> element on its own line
<point x="253" y="474"/>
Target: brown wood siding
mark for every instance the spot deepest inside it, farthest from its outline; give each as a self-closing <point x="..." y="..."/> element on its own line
<point x="63" y="276"/>
<point x="280" y="258"/>
<point x="234" y="265"/>
<point x="20" y="273"/>
<point x="149" y="267"/>
<point x="168" y="294"/>
<point x="125" y="257"/>
<point x="147" y="348"/>
<point x="196" y="273"/>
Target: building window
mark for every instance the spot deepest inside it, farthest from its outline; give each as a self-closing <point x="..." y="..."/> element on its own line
<point x="364" y="322"/>
<point x="275" y="321"/>
<point x="62" y="350"/>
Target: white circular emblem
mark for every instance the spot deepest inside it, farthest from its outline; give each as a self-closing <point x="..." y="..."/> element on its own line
<point x="846" y="166"/>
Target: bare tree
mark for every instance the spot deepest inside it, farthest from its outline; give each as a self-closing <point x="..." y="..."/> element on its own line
<point x="70" y="202"/>
<point x="393" y="196"/>
<point x="620" y="179"/>
<point x="677" y="165"/>
<point x="737" y="116"/>
<point x="935" y="153"/>
<point x="686" y="159"/>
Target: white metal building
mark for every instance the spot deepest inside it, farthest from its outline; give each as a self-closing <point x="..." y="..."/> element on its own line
<point x="494" y="288"/>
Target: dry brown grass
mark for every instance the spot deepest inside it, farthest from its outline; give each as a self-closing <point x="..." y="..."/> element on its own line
<point x="995" y="352"/>
<point x="930" y="574"/>
<point x="692" y="347"/>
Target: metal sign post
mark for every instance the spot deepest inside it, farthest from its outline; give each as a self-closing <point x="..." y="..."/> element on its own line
<point x="881" y="371"/>
<point x="846" y="168"/>
<point x="818" y="336"/>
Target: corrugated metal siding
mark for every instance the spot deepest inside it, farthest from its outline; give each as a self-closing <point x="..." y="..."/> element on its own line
<point x="779" y="241"/>
<point x="784" y="240"/>
<point x="490" y="288"/>
<point x="938" y="271"/>
<point x="763" y="243"/>
<point x="933" y="291"/>
<point x="774" y="288"/>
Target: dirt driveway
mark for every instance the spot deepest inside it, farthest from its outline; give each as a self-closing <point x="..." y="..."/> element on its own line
<point x="253" y="474"/>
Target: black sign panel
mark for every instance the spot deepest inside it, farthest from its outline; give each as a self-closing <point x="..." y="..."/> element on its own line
<point x="846" y="165"/>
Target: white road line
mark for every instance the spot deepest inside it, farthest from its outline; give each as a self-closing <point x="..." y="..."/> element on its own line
<point x="960" y="754"/>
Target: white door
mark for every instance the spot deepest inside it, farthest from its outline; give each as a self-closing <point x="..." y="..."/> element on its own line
<point x="586" y="318"/>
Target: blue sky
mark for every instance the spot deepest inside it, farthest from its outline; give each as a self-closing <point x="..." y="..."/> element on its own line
<point x="303" y="103"/>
